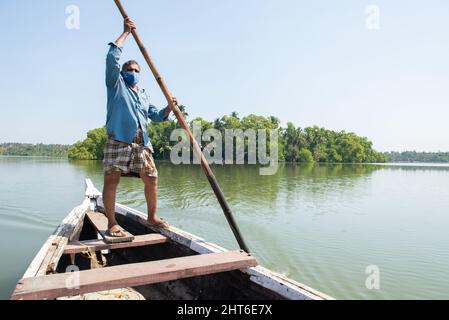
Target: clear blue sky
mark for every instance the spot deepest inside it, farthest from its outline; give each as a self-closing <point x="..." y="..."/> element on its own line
<point x="309" y="62"/>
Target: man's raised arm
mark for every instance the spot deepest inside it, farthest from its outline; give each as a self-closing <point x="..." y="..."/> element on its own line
<point x="115" y="51"/>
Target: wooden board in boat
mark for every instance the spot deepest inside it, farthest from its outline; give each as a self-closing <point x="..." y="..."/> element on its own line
<point x="129" y="275"/>
<point x="100" y="222"/>
<point x="98" y="245"/>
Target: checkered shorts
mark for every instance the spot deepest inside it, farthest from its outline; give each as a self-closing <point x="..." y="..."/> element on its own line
<point x="129" y="159"/>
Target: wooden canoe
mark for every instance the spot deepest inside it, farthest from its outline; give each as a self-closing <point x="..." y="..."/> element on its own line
<point x="77" y="263"/>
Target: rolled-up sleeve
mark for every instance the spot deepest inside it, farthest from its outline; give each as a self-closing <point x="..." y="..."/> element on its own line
<point x="113" y="65"/>
<point x="157" y="115"/>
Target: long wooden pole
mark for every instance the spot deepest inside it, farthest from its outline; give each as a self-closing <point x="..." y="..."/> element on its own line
<point x="196" y="148"/>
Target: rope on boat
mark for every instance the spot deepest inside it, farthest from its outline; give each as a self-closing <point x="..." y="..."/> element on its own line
<point x="89" y="254"/>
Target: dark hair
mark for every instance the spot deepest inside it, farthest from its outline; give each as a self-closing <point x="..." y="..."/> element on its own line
<point x="128" y="63"/>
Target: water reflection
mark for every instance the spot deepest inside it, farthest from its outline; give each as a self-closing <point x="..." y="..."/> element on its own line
<point x="185" y="186"/>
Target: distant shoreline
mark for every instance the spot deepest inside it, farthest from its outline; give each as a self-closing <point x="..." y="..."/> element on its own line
<point x="59" y="151"/>
<point x="33" y="157"/>
<point x="398" y="163"/>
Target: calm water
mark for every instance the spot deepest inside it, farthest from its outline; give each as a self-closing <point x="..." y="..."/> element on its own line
<point x="320" y="225"/>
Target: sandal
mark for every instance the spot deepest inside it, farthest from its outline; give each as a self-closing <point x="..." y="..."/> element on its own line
<point x="117" y="234"/>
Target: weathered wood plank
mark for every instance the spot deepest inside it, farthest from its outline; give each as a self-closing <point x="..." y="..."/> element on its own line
<point x="99" y="244"/>
<point x="100" y="222"/>
<point x="129" y="275"/>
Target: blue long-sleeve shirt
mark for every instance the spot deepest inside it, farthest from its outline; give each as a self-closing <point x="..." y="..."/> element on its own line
<point x="126" y="108"/>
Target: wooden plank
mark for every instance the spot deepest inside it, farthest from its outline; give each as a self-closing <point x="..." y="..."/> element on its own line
<point x="100" y="222"/>
<point x="129" y="275"/>
<point x="99" y="244"/>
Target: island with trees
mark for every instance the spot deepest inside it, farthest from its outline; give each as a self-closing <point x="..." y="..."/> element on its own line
<point x="311" y="144"/>
<point x="295" y="145"/>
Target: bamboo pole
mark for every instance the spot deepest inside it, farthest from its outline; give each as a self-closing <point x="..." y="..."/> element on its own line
<point x="196" y="148"/>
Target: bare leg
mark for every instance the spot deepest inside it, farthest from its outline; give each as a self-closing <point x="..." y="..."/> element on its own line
<point x="151" y="197"/>
<point x="111" y="180"/>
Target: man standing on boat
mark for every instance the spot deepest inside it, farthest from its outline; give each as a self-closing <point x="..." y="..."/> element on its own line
<point x="128" y="150"/>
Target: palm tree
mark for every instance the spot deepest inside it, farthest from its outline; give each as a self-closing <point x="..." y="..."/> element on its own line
<point x="182" y="108"/>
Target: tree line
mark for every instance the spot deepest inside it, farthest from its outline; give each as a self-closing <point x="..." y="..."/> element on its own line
<point x="40" y="149"/>
<point x="296" y="144"/>
<point x="413" y="156"/>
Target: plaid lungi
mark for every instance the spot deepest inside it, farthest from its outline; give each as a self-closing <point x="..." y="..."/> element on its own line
<point x="129" y="159"/>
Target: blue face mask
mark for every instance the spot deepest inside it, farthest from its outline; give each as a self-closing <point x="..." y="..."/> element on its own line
<point x="131" y="78"/>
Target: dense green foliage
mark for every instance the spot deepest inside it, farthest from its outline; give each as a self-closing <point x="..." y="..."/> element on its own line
<point x="305" y="156"/>
<point x="91" y="148"/>
<point x="413" y="156"/>
<point x="327" y="146"/>
<point x="312" y="144"/>
<point x="28" y="149"/>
